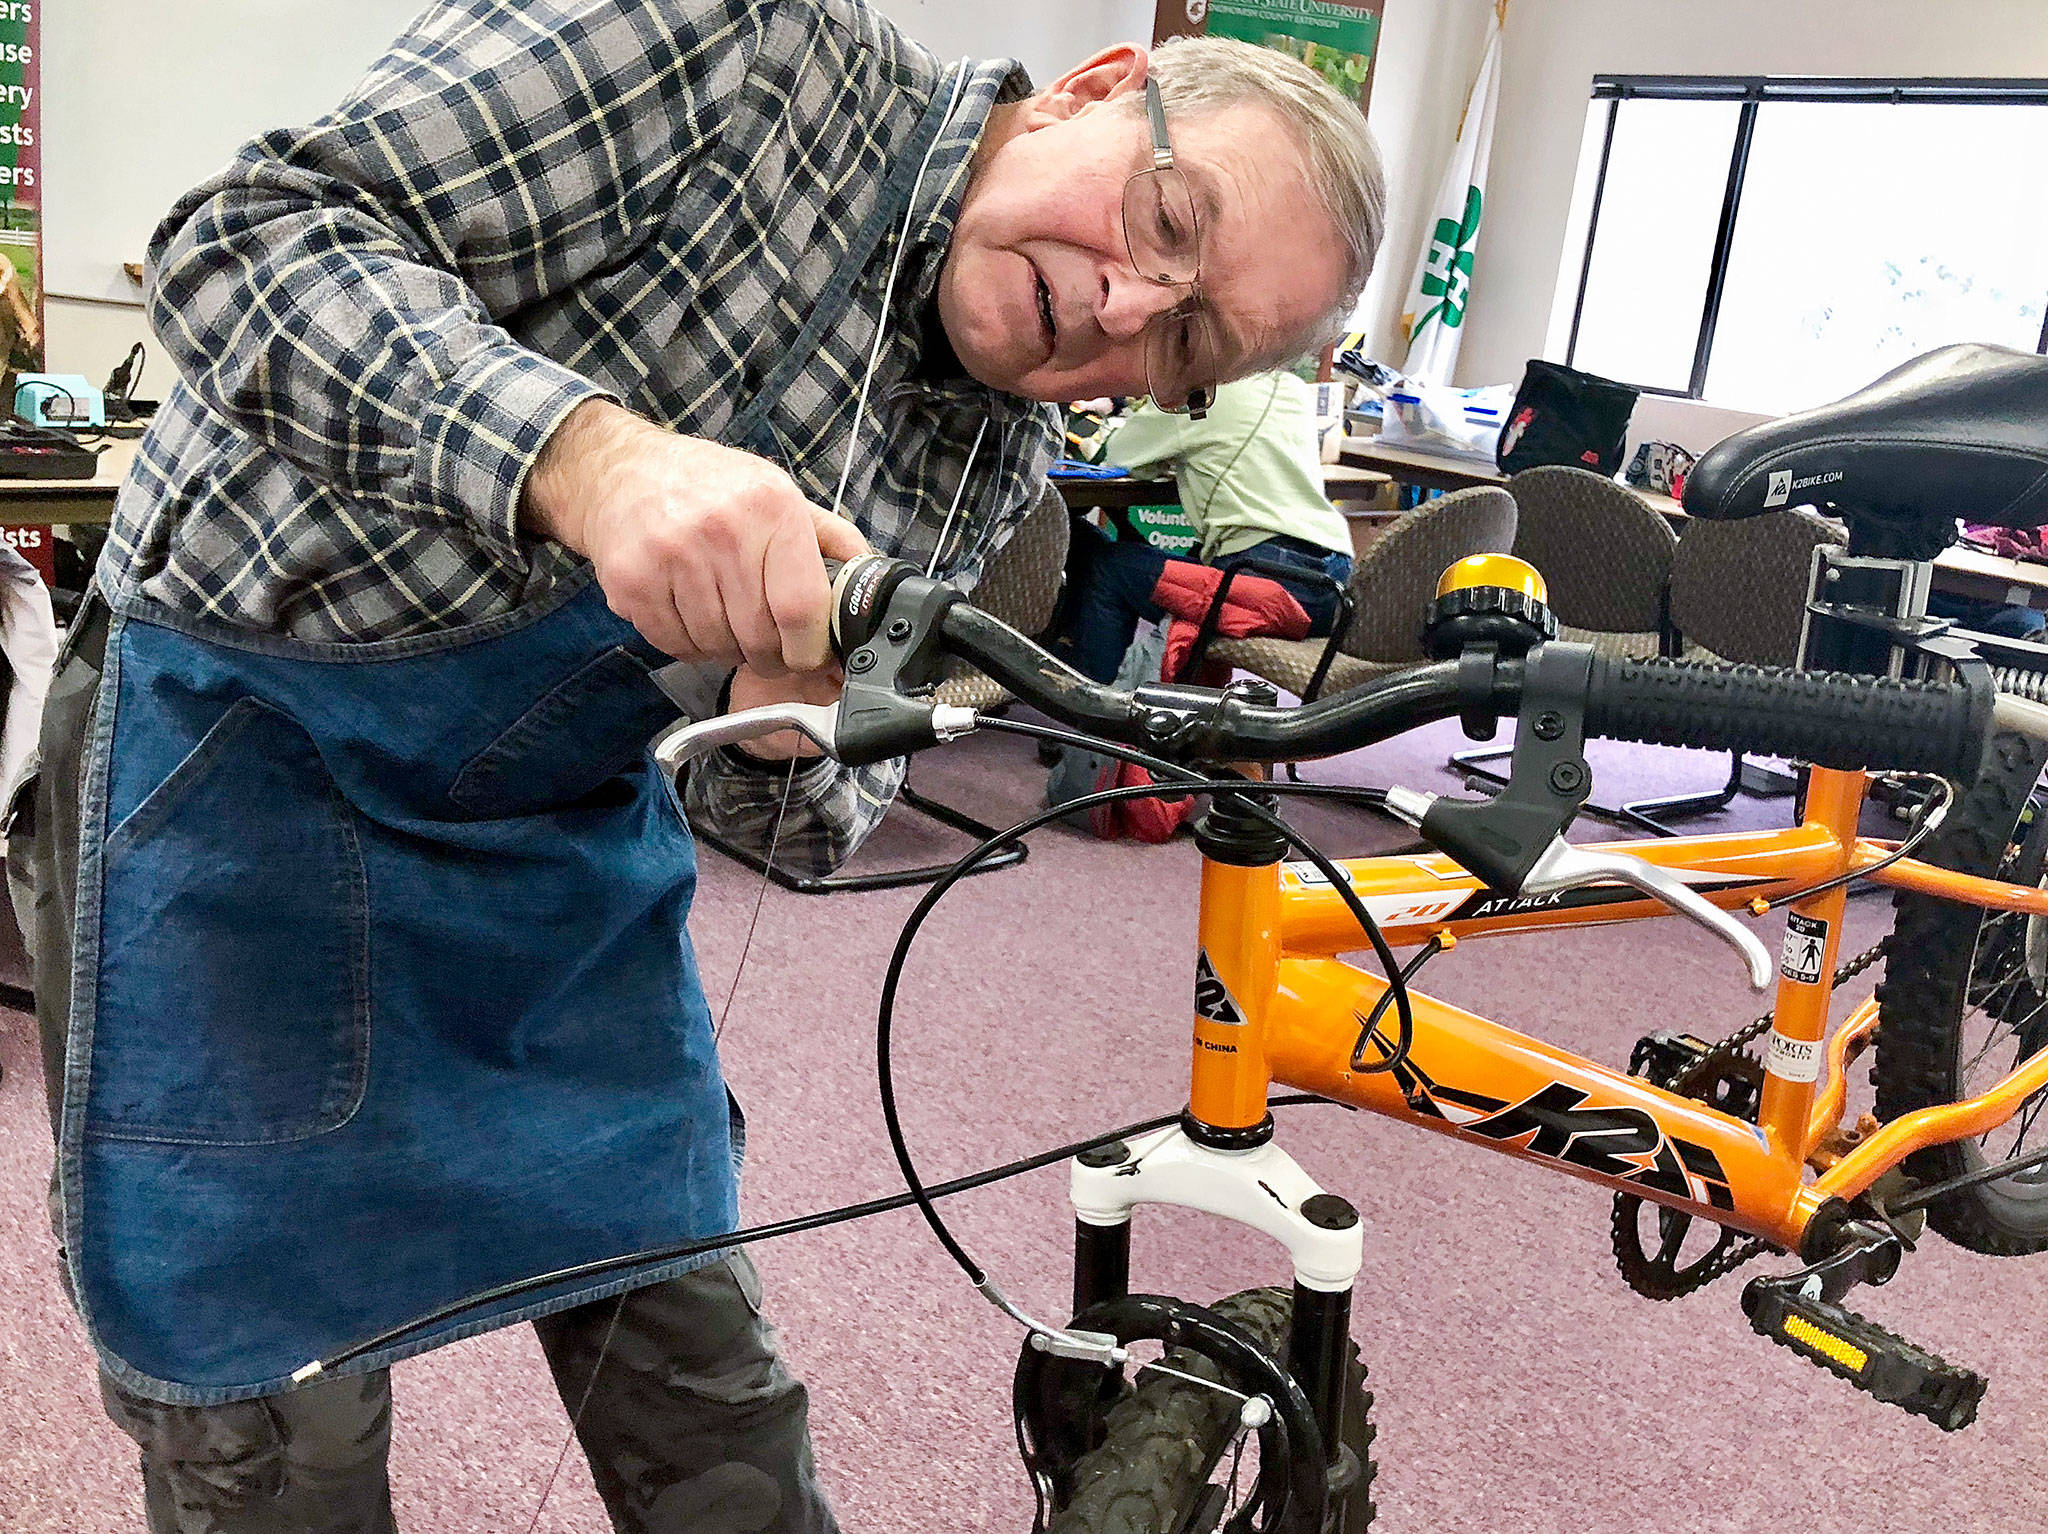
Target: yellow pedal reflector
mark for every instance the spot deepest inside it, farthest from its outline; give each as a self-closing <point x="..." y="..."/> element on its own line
<point x="1845" y="1353"/>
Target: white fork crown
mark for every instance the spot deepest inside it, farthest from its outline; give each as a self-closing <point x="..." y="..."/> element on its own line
<point x="1262" y="1188"/>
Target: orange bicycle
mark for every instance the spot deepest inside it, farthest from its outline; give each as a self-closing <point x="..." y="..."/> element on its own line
<point x="1254" y="1414"/>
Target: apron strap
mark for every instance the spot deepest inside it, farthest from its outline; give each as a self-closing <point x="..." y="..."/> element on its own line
<point x="830" y="306"/>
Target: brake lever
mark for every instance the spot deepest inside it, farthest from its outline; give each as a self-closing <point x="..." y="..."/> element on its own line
<point x="689" y="739"/>
<point x="1561" y="866"/>
<point x="1564" y="867"/>
<point x="818" y="723"/>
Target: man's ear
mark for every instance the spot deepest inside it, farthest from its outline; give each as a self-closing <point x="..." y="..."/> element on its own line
<point x="1114" y="73"/>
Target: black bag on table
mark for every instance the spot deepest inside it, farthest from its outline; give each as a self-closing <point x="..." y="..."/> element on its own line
<point x="1561" y="415"/>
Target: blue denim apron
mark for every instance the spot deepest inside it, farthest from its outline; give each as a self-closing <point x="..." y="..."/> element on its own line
<point x="381" y="992"/>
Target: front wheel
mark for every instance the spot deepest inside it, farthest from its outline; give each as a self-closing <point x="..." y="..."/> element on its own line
<point x="1172" y="1460"/>
<point x="1965" y="1001"/>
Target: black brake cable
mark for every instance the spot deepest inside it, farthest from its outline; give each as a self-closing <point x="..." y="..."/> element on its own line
<point x="1926" y="818"/>
<point x="916" y="1192"/>
<point x="796" y="1225"/>
<point x="1397" y="977"/>
<point x="1181" y="784"/>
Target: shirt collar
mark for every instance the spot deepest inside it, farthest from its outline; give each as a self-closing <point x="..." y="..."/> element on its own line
<point x="937" y="208"/>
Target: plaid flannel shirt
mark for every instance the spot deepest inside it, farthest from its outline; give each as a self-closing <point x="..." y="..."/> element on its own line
<point x="380" y="318"/>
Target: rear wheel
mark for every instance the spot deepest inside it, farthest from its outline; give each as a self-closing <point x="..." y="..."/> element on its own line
<point x="1172" y="1459"/>
<point x="1965" y="1000"/>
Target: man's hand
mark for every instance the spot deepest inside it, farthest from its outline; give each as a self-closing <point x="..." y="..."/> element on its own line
<point x="711" y="553"/>
<point x="752" y="690"/>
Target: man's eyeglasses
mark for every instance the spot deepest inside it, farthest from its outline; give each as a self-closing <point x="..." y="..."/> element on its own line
<point x="1182" y="352"/>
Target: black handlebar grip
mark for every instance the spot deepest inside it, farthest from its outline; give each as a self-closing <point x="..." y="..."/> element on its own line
<point x="1827" y="718"/>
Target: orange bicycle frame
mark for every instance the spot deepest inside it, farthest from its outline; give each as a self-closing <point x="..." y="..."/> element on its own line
<point x="1276" y="1006"/>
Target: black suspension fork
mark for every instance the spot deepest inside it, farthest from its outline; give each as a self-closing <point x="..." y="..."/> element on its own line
<point x="1318" y="1348"/>
<point x="1102" y="1253"/>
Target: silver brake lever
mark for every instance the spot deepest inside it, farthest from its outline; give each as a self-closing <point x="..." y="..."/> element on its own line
<point x="1565" y="867"/>
<point x="689" y="739"/>
<point x="817" y="722"/>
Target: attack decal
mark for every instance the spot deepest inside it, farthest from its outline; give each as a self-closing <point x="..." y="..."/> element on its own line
<point x="1212" y="997"/>
<point x="1805" y="954"/>
<point x="1414" y="908"/>
<point x="1626" y="1144"/>
<point x="1482" y="904"/>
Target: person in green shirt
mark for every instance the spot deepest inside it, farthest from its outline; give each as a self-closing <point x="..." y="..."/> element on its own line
<point x="1250" y="481"/>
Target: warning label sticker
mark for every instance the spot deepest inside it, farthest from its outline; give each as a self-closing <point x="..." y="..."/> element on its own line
<point x="1792" y="1059"/>
<point x="1806" y="947"/>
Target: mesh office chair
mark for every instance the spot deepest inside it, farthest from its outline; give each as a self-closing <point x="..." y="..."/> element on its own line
<point x="1391" y="588"/>
<point x="1606" y="557"/>
<point x="1021" y="586"/>
<point x="1738" y="593"/>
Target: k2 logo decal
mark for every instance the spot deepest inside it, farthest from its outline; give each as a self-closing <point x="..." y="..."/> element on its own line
<point x="1780" y="490"/>
<point x="1212" y="997"/>
<point x="1623" y="1143"/>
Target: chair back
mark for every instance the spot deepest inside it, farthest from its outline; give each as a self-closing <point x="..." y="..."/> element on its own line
<point x="1021" y="582"/>
<point x="1604" y="554"/>
<point x="1395" y="580"/>
<point x="1738" y="589"/>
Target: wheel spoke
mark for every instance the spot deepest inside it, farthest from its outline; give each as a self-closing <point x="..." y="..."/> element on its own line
<point x="1984" y="997"/>
<point x="2030" y="1112"/>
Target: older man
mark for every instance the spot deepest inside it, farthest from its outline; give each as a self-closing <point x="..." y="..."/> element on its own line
<point x="569" y="346"/>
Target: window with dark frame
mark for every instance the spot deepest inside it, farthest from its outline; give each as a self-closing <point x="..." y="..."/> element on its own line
<point x="1770" y="244"/>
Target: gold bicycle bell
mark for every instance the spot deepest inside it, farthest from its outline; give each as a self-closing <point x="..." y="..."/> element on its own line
<point x="1488" y="598"/>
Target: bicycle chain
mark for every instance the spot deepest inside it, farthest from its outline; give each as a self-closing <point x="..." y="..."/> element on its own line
<point x="1650" y="1276"/>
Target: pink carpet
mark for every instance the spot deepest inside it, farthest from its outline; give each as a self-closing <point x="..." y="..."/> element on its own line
<point x="1521" y="1386"/>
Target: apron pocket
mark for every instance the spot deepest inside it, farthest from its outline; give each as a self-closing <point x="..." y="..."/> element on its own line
<point x="234" y="948"/>
<point x="583" y="732"/>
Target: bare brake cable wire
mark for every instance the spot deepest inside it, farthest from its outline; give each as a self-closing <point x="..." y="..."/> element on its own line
<point x="838" y="502"/>
<point x="604" y="1347"/>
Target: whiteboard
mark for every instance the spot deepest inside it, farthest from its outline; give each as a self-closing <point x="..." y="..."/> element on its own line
<point x="144" y="99"/>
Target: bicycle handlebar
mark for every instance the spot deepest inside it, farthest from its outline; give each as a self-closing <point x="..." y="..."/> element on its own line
<point x="1830" y="719"/>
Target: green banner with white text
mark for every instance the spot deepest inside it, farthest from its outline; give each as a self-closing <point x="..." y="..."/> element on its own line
<point x="21" y="197"/>
<point x="1336" y="38"/>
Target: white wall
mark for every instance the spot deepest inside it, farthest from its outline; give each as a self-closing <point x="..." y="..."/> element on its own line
<point x="157" y="164"/>
<point x="1046" y="36"/>
<point x="1429" y="52"/>
<point x="1553" y="48"/>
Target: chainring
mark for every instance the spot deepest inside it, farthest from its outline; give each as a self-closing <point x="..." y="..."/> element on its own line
<point x="1727" y="1077"/>
<point x="1730" y="1079"/>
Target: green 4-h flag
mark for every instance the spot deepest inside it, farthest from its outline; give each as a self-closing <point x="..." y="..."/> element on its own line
<point x="1434" y="316"/>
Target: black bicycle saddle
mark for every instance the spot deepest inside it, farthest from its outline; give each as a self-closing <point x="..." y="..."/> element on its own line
<point x="1960" y="432"/>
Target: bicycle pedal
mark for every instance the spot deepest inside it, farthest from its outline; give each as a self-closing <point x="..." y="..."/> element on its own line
<point x="1878" y="1362"/>
<point x="1664" y="1056"/>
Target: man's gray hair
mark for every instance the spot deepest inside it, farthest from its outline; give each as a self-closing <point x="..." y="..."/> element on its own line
<point x="1198" y="74"/>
